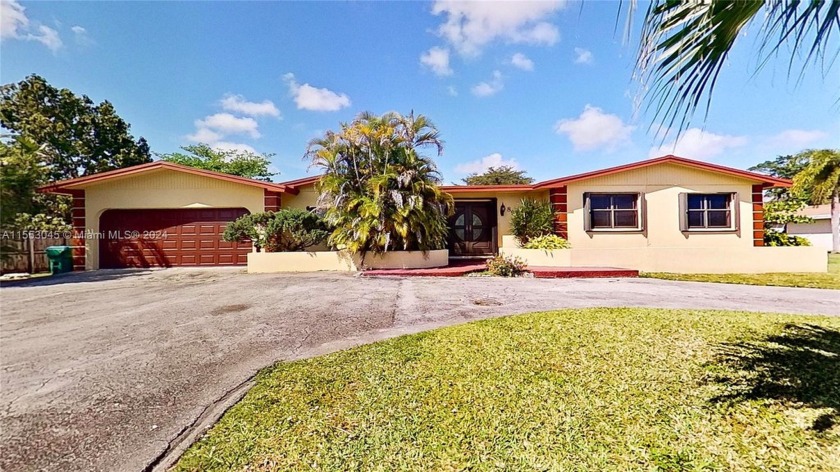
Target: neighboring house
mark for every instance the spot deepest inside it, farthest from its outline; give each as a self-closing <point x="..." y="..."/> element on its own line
<point x="668" y="214"/>
<point x="819" y="230"/>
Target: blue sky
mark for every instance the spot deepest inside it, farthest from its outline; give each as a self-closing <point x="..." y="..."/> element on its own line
<point x="546" y="87"/>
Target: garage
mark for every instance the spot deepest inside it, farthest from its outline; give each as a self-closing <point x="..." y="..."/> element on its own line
<point x="169" y="238"/>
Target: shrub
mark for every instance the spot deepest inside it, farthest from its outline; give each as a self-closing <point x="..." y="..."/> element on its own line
<point x="295" y="230"/>
<point x="776" y="238"/>
<point x="250" y="227"/>
<point x="284" y="230"/>
<point x="505" y="266"/>
<point x="547" y="242"/>
<point x="531" y="219"/>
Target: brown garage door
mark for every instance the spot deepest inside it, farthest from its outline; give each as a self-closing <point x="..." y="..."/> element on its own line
<point x="167" y="238"/>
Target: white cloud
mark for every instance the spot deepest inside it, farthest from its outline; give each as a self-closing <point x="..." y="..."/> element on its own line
<point x="469" y="26"/>
<point x="13" y="20"/>
<point x="81" y="36"/>
<point x="522" y="62"/>
<point x="14" y="24"/>
<point x="204" y="135"/>
<point x="481" y="165"/>
<point x="227" y="146"/>
<point x="237" y="103"/>
<point x="225" y="123"/>
<point x="491" y="87"/>
<point x="695" y="143"/>
<point x="595" y="129"/>
<point x="797" y="137"/>
<point x="312" y="98"/>
<point x="437" y="59"/>
<point x="583" y="56"/>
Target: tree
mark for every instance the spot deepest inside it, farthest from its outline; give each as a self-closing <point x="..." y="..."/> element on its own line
<point x="822" y="179"/>
<point x="241" y="163"/>
<point x="22" y="171"/>
<point x="786" y="167"/>
<point x="684" y="45"/>
<point x="502" y="175"/>
<point x="780" y="213"/>
<point x="76" y="137"/>
<point x="378" y="192"/>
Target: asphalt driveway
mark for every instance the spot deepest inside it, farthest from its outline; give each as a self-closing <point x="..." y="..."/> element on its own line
<point x="116" y="370"/>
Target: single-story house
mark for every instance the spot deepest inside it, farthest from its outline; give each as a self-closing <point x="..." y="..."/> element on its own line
<point x="665" y="214"/>
<point x="818" y="231"/>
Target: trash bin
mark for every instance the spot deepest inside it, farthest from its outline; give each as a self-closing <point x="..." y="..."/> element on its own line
<point x="61" y="258"/>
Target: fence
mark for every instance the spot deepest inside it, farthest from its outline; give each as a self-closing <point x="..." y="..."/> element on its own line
<point x="26" y="255"/>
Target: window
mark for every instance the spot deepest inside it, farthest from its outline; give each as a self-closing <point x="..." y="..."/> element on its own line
<point x="708" y="211"/>
<point x="613" y="211"/>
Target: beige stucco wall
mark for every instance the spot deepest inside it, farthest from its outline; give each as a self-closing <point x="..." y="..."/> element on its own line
<point x="267" y="262"/>
<point x="735" y="260"/>
<point x="661" y="186"/>
<point x="307" y="197"/>
<point x="162" y="189"/>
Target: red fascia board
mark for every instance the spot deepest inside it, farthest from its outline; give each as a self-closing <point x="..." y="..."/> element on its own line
<point x="669" y="159"/>
<point x="64" y="186"/>
<point x="485" y="188"/>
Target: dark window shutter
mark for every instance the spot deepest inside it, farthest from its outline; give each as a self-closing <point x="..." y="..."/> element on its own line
<point x="587" y="213"/>
<point x="642" y="208"/>
<point x="683" y="203"/>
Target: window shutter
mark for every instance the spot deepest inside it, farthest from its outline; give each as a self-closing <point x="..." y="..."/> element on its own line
<point x="735" y="207"/>
<point x="587" y="213"/>
<point x="642" y="210"/>
<point x="683" y="211"/>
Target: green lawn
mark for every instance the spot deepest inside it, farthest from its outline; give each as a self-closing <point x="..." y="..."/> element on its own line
<point x="829" y="280"/>
<point x="576" y="390"/>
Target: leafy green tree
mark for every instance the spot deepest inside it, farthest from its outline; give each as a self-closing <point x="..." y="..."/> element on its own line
<point x="780" y="213"/>
<point x="22" y="207"/>
<point x="821" y="178"/>
<point x="502" y="175"/>
<point x="531" y="219"/>
<point x="241" y="163"/>
<point x="76" y="137"/>
<point x="786" y="167"/>
<point x="378" y="192"/>
<point x="684" y="45"/>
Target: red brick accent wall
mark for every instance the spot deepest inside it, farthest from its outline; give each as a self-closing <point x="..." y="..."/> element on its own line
<point x="78" y="240"/>
<point x="272" y="200"/>
<point x="758" y="214"/>
<point x="559" y="203"/>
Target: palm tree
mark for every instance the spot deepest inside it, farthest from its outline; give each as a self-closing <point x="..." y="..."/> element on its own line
<point x="378" y="192"/>
<point x="822" y="179"/>
<point x="685" y="44"/>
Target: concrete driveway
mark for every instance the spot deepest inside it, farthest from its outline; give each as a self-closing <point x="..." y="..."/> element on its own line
<point x="120" y="370"/>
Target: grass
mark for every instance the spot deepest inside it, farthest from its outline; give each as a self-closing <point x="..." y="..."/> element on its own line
<point x="830" y="280"/>
<point x="577" y="390"/>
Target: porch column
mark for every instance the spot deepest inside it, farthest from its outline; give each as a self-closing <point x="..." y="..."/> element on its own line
<point x="758" y="214"/>
<point x="557" y="197"/>
<point x="78" y="240"/>
<point x="272" y="200"/>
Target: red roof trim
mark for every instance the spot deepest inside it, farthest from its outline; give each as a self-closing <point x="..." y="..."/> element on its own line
<point x="302" y="181"/>
<point x="485" y="188"/>
<point x="669" y="159"/>
<point x="64" y="186"/>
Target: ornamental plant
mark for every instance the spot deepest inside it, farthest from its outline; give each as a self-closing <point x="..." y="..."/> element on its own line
<point x="285" y="230"/>
<point x="531" y="219"/>
<point x="378" y="192"/>
<point x="506" y="266"/>
<point x="547" y="242"/>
